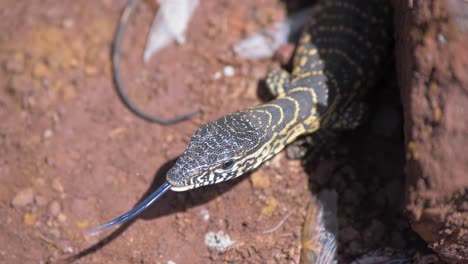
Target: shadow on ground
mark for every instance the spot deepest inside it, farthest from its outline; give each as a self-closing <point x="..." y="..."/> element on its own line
<point x="170" y="203"/>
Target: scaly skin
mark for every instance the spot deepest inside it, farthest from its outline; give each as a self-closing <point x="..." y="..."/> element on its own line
<point x="338" y="58"/>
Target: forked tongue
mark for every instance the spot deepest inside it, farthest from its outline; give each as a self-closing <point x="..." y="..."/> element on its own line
<point x="132" y="213"/>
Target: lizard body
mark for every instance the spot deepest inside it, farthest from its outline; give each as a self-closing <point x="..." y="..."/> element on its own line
<point x="338" y="57"/>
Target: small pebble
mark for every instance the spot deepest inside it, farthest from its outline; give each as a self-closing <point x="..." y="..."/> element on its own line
<point x="217" y="75"/>
<point x="169" y="138"/>
<point x="218" y="241"/>
<point x="23" y="198"/>
<point x="117" y="132"/>
<point x="15" y="64"/>
<point x="259" y="180"/>
<point x="205" y="214"/>
<point x="40" y="70"/>
<point x="17" y="86"/>
<point x="91" y="70"/>
<point x="57" y="185"/>
<point x="40" y="200"/>
<point x="441" y="38"/>
<point x="277" y="162"/>
<point x="229" y="71"/>
<point x="29" y="219"/>
<point x="62" y="218"/>
<point x="271" y="206"/>
<point x="54" y="208"/>
<point x="284" y="53"/>
<point x="68" y="23"/>
<point x="54" y="232"/>
<point x="69" y="92"/>
<point x="39" y="181"/>
<point x="67" y="249"/>
<point x="82" y="224"/>
<point x="47" y="134"/>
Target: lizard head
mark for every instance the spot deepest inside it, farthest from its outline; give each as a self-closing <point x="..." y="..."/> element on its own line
<point x="219" y="151"/>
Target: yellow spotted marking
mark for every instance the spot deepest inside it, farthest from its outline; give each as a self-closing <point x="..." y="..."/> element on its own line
<point x="296" y="70"/>
<point x="300" y="49"/>
<point x="307" y="38"/>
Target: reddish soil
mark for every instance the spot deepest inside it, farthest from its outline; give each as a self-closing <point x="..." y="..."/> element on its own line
<point x="73" y="156"/>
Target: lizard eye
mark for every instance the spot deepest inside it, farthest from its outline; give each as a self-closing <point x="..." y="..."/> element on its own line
<point x="227" y="164"/>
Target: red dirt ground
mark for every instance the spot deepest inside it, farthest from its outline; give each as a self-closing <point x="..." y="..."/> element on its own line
<point x="73" y="156"/>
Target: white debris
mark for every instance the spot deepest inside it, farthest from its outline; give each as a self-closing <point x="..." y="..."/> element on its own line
<point x="205" y="214"/>
<point x="218" y="241"/>
<point x="264" y="43"/>
<point x="68" y="23"/>
<point x="441" y="38"/>
<point x="169" y="24"/>
<point x="229" y="71"/>
<point x="171" y="262"/>
<point x="217" y="75"/>
<point x="47" y="134"/>
<point x="327" y="224"/>
<point x="329" y="200"/>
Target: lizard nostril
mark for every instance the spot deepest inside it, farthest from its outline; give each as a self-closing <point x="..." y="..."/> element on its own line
<point x="174" y="176"/>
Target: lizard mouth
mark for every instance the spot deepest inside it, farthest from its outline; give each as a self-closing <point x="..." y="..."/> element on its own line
<point x="182" y="188"/>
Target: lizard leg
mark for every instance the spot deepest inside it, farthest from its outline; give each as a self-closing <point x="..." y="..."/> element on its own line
<point x="312" y="146"/>
<point x="323" y="143"/>
<point x="277" y="82"/>
<point x="351" y="117"/>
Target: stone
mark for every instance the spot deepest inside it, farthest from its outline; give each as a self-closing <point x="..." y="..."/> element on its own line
<point x="57" y="185"/>
<point x="218" y="241"/>
<point x="229" y="71"/>
<point x="259" y="180"/>
<point x="23" y="197"/>
<point x="40" y="200"/>
<point x="47" y="134"/>
<point x="54" y="208"/>
<point x="62" y="218"/>
<point x="433" y="80"/>
<point x="271" y="205"/>
<point x="284" y="53"/>
<point x="40" y="70"/>
<point x="15" y="64"/>
<point x="91" y="70"/>
<point x="29" y="219"/>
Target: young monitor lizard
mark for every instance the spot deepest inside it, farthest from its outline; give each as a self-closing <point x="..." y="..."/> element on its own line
<point x="338" y="57"/>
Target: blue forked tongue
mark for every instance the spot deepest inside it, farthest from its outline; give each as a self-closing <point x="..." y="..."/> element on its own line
<point x="132" y="213"/>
